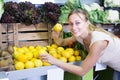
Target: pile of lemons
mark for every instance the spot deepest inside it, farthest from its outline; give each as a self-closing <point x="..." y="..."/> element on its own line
<point x="27" y="57"/>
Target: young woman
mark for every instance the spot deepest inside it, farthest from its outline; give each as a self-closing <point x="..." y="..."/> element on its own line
<point x="103" y="47"/>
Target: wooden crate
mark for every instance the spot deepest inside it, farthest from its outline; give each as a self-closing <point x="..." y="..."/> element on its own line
<point x="19" y="35"/>
<point x="3" y="36"/>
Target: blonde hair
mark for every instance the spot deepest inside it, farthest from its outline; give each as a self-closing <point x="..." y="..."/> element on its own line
<point x="95" y="28"/>
<point x="91" y="26"/>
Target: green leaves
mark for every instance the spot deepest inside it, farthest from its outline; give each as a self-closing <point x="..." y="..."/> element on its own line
<point x="1" y="7"/>
<point x="98" y="16"/>
<point x="66" y="9"/>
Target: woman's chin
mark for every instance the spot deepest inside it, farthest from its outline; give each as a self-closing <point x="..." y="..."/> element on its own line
<point x="76" y="35"/>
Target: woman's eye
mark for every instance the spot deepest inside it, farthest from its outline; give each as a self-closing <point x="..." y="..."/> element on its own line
<point x="77" y="23"/>
<point x="71" y="24"/>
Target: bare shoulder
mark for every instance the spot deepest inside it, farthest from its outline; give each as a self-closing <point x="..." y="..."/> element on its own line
<point x="99" y="46"/>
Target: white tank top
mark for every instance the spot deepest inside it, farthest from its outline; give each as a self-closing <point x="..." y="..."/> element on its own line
<point x="111" y="54"/>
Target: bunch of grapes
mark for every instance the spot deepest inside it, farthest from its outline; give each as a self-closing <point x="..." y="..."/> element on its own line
<point x="50" y="13"/>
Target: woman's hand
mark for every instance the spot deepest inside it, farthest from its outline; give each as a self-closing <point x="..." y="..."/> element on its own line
<point x="55" y="35"/>
<point x="46" y="57"/>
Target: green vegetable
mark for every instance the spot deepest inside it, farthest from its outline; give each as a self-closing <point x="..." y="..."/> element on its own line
<point x="66" y="9"/>
<point x="1" y="8"/>
<point x="110" y="16"/>
<point x="98" y="16"/>
<point x="112" y="3"/>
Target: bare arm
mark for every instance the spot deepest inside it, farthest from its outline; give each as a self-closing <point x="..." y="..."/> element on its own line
<point x="60" y="41"/>
<point x="87" y="64"/>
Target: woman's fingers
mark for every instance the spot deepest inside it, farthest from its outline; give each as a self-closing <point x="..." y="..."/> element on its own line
<point x="55" y="34"/>
<point x="44" y="57"/>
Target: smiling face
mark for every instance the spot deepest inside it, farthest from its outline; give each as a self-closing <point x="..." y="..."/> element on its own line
<point x="78" y="24"/>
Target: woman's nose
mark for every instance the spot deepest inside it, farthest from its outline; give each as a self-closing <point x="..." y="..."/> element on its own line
<point x="74" y="26"/>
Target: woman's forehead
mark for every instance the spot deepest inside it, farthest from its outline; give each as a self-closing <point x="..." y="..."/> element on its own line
<point x="78" y="16"/>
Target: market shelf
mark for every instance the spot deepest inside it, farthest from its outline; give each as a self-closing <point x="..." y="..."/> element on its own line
<point x="40" y="73"/>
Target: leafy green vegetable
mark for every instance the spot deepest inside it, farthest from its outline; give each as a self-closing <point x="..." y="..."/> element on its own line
<point x="1" y="8"/>
<point x="66" y="9"/>
<point x="98" y="16"/>
<point x="112" y="3"/>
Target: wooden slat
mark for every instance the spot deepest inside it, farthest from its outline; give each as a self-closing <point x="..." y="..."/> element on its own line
<point x="10" y="27"/>
<point x="33" y="43"/>
<point x="29" y="36"/>
<point x="15" y="36"/>
<point x="36" y="27"/>
<point x="0" y="36"/>
<point x="23" y="27"/>
<point x="3" y="36"/>
<point x="3" y="28"/>
<point x="4" y="46"/>
<point x="49" y="35"/>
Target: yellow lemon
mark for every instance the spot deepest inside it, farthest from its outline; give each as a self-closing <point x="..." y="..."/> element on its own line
<point x="59" y="55"/>
<point x="46" y="64"/>
<point x="29" y="55"/>
<point x="76" y="52"/>
<point x="19" y="66"/>
<point x="59" y="50"/>
<point x="16" y="54"/>
<point x="48" y="46"/>
<point x="22" y="58"/>
<point x="35" y="54"/>
<point x="42" y="51"/>
<point x="33" y="59"/>
<point x="66" y="54"/>
<point x="52" y="52"/>
<point x="21" y="50"/>
<point x="15" y="61"/>
<point x="57" y="27"/>
<point x="54" y="45"/>
<point x="38" y="62"/>
<point x="44" y="48"/>
<point x="25" y="48"/>
<point x="38" y="47"/>
<point x="63" y="59"/>
<point x="72" y="59"/>
<point x="78" y="58"/>
<point x="70" y="50"/>
<point x="29" y="64"/>
<point x="15" y="48"/>
<point x="52" y="49"/>
<point x="55" y="55"/>
<point x="31" y="48"/>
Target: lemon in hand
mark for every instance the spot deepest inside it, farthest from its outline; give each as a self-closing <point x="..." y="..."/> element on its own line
<point x="57" y="27"/>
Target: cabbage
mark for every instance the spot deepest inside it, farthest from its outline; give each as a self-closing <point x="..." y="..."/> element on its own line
<point x="1" y="8"/>
<point x="87" y="7"/>
<point x="112" y="13"/>
<point x="93" y="6"/>
<point x="112" y="3"/>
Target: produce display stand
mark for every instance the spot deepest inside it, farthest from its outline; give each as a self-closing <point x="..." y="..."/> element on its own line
<point x="41" y="74"/>
<point x="19" y="35"/>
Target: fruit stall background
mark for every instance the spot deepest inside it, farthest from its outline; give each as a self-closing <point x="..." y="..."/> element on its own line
<point x="33" y="31"/>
